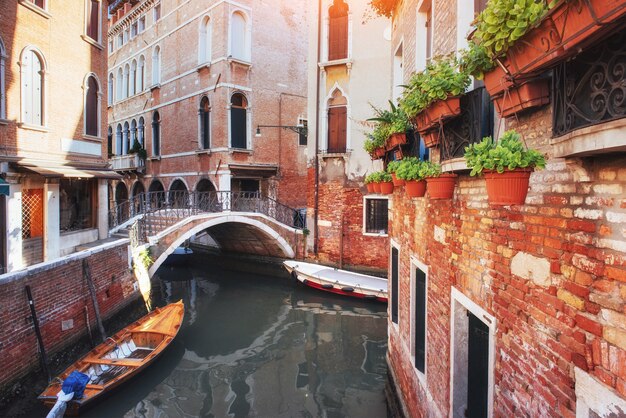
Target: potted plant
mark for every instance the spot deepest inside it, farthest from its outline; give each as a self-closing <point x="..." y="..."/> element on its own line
<point x="386" y="183"/>
<point x="506" y="165"/>
<point x="138" y="149"/>
<point x="391" y="126"/>
<point x="411" y="171"/>
<point x="369" y="182"/>
<point x="439" y="185"/>
<point x="376" y="181"/>
<point x="392" y="166"/>
<point x="432" y="95"/>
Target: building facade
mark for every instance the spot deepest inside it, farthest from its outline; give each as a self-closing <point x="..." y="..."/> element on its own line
<point x="196" y="92"/>
<point x="514" y="310"/>
<point x="52" y="129"/>
<point x="348" y="73"/>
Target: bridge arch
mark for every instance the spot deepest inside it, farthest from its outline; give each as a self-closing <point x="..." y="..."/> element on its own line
<point x="204" y="222"/>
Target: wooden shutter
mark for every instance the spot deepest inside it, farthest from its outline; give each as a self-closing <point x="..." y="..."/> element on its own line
<point x="477" y="367"/>
<point x="420" y="319"/>
<point x="394" y="285"/>
<point x="337" y="127"/>
<point x="238" y="128"/>
<point x="338" y="38"/>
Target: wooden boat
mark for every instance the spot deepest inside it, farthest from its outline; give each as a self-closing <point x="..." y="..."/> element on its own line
<point x="120" y="357"/>
<point x="341" y="282"/>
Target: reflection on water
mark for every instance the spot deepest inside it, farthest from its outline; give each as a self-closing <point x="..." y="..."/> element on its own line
<point x="260" y="346"/>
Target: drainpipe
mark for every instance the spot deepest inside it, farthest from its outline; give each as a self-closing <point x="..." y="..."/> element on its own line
<point x="317" y="129"/>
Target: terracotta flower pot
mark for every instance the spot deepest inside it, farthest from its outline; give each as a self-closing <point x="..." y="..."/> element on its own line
<point x="380" y="152"/>
<point x="496" y="80"/>
<point x="395" y="140"/>
<point x="386" y="187"/>
<point x="507" y="188"/>
<point x="376" y="187"/>
<point x="437" y="112"/>
<point x="370" y="187"/>
<point x="607" y="11"/>
<point x="528" y="95"/>
<point x="537" y="49"/>
<point x="441" y="187"/>
<point x="415" y="188"/>
<point x="431" y="138"/>
<point x="396" y="181"/>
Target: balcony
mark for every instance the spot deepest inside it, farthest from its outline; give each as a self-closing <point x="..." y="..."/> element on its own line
<point x="128" y="163"/>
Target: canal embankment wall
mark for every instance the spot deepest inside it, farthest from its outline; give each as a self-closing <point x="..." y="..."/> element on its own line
<point x="62" y="301"/>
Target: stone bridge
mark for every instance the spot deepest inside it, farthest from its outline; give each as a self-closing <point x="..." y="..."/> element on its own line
<point x="239" y="222"/>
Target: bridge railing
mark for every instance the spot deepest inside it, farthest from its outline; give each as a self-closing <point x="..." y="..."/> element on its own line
<point x="163" y="209"/>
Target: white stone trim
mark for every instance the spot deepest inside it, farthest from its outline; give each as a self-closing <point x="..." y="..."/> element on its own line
<point x="592" y="395"/>
<point x="364" y="224"/>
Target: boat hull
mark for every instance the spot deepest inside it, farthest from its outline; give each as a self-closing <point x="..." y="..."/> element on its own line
<point x="339" y="282"/>
<point x="154" y="332"/>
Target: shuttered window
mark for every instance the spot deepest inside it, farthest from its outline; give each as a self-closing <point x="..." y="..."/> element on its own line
<point x="93" y="19"/>
<point x="337" y="128"/>
<point x="238" y="122"/>
<point x="420" y="319"/>
<point x="32" y="88"/>
<point x="338" y="31"/>
<point x="91" y="107"/>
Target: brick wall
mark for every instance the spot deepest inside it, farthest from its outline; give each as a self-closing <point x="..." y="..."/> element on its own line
<point x="551" y="272"/>
<point x="60" y="293"/>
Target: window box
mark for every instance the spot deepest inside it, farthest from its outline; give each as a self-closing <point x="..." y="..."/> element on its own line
<point x="437" y="112"/>
<point x="431" y="138"/>
<point x="399" y="138"/>
<point x="530" y="94"/>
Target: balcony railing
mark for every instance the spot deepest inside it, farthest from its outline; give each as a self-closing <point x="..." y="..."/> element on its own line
<point x="130" y="162"/>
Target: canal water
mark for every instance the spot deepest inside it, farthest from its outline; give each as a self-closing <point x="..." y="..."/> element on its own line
<point x="255" y="343"/>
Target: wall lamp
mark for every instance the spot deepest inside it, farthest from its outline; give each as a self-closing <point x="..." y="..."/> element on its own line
<point x="299" y="129"/>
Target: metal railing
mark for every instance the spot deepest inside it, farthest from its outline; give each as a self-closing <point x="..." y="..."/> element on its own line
<point x="161" y="210"/>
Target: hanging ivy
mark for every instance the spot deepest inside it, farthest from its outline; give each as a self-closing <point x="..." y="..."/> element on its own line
<point x="383" y="7"/>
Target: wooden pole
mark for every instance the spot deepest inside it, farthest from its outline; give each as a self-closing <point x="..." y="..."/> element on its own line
<point x="341" y="243"/>
<point x="42" y="349"/>
<point x="88" y="326"/>
<point x="92" y="291"/>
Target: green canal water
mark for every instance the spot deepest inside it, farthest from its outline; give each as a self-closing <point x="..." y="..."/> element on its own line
<point x="257" y="344"/>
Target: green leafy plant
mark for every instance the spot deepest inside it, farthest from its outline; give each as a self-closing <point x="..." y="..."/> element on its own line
<point x="144" y="258"/>
<point x="138" y="149"/>
<point x="441" y="79"/>
<point x="475" y="61"/>
<point x="410" y="169"/>
<point x="508" y="153"/>
<point x="503" y="22"/>
<point x="377" y="177"/>
<point x="385" y="177"/>
<point x="430" y="169"/>
<point x="387" y="123"/>
<point x="392" y="166"/>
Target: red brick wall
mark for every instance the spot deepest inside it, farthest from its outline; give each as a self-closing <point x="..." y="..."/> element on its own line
<point x="60" y="293"/>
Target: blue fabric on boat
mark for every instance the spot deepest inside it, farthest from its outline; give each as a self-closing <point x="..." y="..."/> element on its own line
<point x="76" y="382"/>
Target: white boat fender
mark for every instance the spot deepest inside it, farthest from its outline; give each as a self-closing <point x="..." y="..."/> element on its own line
<point x="58" y="410"/>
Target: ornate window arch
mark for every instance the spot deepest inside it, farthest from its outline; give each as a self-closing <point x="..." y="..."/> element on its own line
<point x="336" y="121"/>
<point x="33" y="82"/>
<point x="141" y="75"/>
<point x="156" y="65"/>
<point x="240" y="38"/>
<point x="119" y="94"/>
<point x="132" y="84"/>
<point x="92" y="105"/>
<point x="204" y="41"/>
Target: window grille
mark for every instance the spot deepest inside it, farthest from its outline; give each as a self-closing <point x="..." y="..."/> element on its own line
<point x="32" y="213"/>
<point x="376" y="216"/>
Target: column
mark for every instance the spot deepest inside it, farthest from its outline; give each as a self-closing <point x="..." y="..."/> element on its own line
<point x="13" y="233"/>
<point x="103" y="212"/>
<point x="51" y="221"/>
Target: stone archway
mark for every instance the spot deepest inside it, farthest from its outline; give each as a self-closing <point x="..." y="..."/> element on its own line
<point x="178" y="194"/>
<point x="121" y="202"/>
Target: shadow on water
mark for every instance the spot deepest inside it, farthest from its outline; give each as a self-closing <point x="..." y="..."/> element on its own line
<point x="256" y="343"/>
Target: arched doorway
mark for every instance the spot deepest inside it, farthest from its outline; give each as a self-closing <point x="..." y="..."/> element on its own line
<point x="178" y="195"/>
<point x="156" y="194"/>
<point x="121" y="203"/>
<point x="206" y="198"/>
<point x="138" y="197"/>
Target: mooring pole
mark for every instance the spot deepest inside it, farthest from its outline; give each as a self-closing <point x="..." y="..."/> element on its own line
<point x="341" y="243"/>
<point x="94" y="299"/>
<point x="42" y="349"/>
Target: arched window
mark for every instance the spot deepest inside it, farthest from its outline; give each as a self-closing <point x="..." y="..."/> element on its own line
<point x="119" y="95"/>
<point x="141" y="132"/>
<point x="338" y="31"/>
<point x="126" y="80"/>
<point x="156" y="134"/>
<point x="204" y="120"/>
<point x="111" y="89"/>
<point x="204" y="41"/>
<point x="133" y="78"/>
<point x="178" y="195"/>
<point x="337" y="122"/>
<point x="92" y="106"/>
<point x="141" y="68"/>
<point x="238" y="121"/>
<point x="239" y="39"/>
<point x="125" y="139"/>
<point x="133" y="133"/>
<point x="3" y="102"/>
<point x="110" y="142"/>
<point x="119" y="140"/>
<point x="156" y="66"/>
<point x="32" y="69"/>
